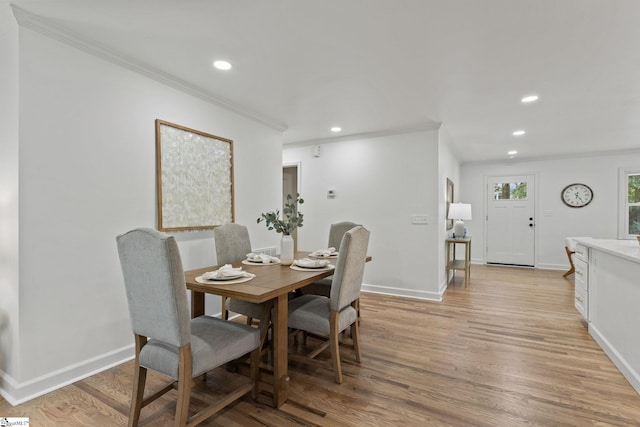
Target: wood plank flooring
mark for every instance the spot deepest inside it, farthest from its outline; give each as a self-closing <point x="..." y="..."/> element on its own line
<point x="509" y="350"/>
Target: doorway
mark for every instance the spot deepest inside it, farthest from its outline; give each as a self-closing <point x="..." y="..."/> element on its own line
<point x="290" y="186"/>
<point x="510" y="220"/>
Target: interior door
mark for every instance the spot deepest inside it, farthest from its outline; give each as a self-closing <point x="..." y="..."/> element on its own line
<point x="510" y="220"/>
<point x="290" y="186"/>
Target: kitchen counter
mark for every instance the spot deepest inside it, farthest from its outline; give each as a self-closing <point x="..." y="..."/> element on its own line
<point x="610" y="288"/>
<point x="627" y="249"/>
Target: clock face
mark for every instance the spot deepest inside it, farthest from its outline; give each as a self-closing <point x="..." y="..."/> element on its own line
<point x="577" y="195"/>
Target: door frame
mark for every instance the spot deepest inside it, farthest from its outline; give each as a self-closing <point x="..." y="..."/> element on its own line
<point x="536" y="213"/>
<point x="298" y="166"/>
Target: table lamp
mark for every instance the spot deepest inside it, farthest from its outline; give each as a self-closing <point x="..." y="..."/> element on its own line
<point x="459" y="212"/>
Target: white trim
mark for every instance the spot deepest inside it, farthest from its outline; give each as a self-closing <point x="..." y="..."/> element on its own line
<point x="49" y="29"/>
<point x="558" y="156"/>
<point x="625" y="368"/>
<point x="402" y="292"/>
<point x="16" y="393"/>
<point x="623" y="211"/>
<point x="366" y="135"/>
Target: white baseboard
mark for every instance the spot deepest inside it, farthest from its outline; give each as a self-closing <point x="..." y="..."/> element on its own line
<point x="627" y="371"/>
<point x="553" y="267"/>
<point x="16" y="393"/>
<point x="401" y="292"/>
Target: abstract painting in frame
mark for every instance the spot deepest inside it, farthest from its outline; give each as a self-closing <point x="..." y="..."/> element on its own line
<point x="194" y="178"/>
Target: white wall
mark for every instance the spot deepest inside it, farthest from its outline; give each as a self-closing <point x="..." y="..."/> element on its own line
<point x="87" y="173"/>
<point x="448" y="167"/>
<point x="8" y="191"/>
<point x="554" y="220"/>
<point x="380" y="182"/>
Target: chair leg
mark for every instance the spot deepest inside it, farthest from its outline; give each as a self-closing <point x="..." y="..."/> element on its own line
<point x="572" y="269"/>
<point x="355" y="335"/>
<point x="335" y="346"/>
<point x="139" y="382"/>
<point x="184" y="385"/>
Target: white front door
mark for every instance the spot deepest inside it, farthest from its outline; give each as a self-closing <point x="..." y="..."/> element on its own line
<point x="510" y="220"/>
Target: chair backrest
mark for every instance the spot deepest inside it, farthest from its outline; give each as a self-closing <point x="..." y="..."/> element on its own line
<point x="347" y="277"/>
<point x="232" y="243"/>
<point x="155" y="286"/>
<point x="337" y="230"/>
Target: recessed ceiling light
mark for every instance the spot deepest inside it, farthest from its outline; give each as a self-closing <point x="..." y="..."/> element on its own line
<point x="518" y="133"/>
<point x="222" y="65"/>
<point x="512" y="153"/>
<point x="336" y="129"/>
<point x="530" y="98"/>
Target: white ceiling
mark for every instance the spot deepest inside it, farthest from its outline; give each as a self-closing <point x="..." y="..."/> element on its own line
<point x="381" y="66"/>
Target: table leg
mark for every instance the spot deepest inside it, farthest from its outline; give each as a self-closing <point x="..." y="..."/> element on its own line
<point x="197" y="304"/>
<point x="467" y="261"/>
<point x="280" y="342"/>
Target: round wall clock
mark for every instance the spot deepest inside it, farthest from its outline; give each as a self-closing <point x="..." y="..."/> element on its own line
<point x="577" y="195"/>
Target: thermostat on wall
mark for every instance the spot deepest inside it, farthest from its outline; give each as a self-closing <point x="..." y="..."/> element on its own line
<point x="331" y="193"/>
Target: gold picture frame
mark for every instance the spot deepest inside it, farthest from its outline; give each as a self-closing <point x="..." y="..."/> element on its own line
<point x="194" y="178"/>
<point x="449" y="222"/>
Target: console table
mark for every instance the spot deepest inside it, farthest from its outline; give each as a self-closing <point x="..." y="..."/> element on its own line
<point x="459" y="264"/>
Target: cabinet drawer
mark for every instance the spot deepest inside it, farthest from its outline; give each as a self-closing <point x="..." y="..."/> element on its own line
<point x="582" y="252"/>
<point x="581" y="274"/>
<point x="581" y="300"/>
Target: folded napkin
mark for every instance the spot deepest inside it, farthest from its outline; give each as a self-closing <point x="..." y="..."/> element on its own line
<point x="226" y="271"/>
<point x="311" y="263"/>
<point x="263" y="258"/>
<point x="325" y="252"/>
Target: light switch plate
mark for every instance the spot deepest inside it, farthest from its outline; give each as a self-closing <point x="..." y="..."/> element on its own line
<point x="419" y="219"/>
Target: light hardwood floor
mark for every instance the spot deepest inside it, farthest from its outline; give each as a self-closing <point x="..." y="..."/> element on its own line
<point x="508" y="350"/>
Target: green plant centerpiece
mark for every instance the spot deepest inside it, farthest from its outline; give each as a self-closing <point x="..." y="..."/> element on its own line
<point x="291" y="217"/>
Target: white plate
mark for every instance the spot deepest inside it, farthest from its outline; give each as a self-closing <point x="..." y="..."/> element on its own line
<point x="224" y="278"/>
<point x="332" y="256"/>
<point x="298" y="268"/>
<point x="240" y="279"/>
<point x="249" y="262"/>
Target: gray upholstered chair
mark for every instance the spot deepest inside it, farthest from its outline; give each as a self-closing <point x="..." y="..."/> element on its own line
<point x="167" y="340"/>
<point x="232" y="246"/>
<point x="336" y="231"/>
<point x="328" y="317"/>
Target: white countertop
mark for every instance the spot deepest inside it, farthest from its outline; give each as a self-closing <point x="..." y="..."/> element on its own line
<point x="627" y="249"/>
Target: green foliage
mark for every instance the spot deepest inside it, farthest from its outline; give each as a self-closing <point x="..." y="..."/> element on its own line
<point x="292" y="217"/>
<point x="510" y="191"/>
<point x="633" y="188"/>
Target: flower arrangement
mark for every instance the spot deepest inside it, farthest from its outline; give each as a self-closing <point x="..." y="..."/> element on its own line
<point x="292" y="217"/>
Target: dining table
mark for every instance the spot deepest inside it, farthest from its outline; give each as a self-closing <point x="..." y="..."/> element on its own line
<point x="272" y="284"/>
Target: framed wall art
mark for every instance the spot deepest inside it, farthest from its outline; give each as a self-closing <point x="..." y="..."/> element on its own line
<point x="194" y="178"/>
<point x="449" y="201"/>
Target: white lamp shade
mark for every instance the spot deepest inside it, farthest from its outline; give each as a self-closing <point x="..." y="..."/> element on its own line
<point x="459" y="211"/>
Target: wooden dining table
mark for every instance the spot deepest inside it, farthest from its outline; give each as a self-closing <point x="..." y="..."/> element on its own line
<point x="272" y="284"/>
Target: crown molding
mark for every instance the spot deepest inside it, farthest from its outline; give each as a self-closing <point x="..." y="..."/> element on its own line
<point x="367" y="135"/>
<point x="559" y="156"/>
<point x="49" y="29"/>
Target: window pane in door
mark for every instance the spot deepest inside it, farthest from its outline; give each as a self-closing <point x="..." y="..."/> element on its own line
<point x="634" y="189"/>
<point x="510" y="191"/>
<point x="634" y="219"/>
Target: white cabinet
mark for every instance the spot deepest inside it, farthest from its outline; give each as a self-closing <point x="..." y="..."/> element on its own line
<point x="608" y="295"/>
<point x="581" y="264"/>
